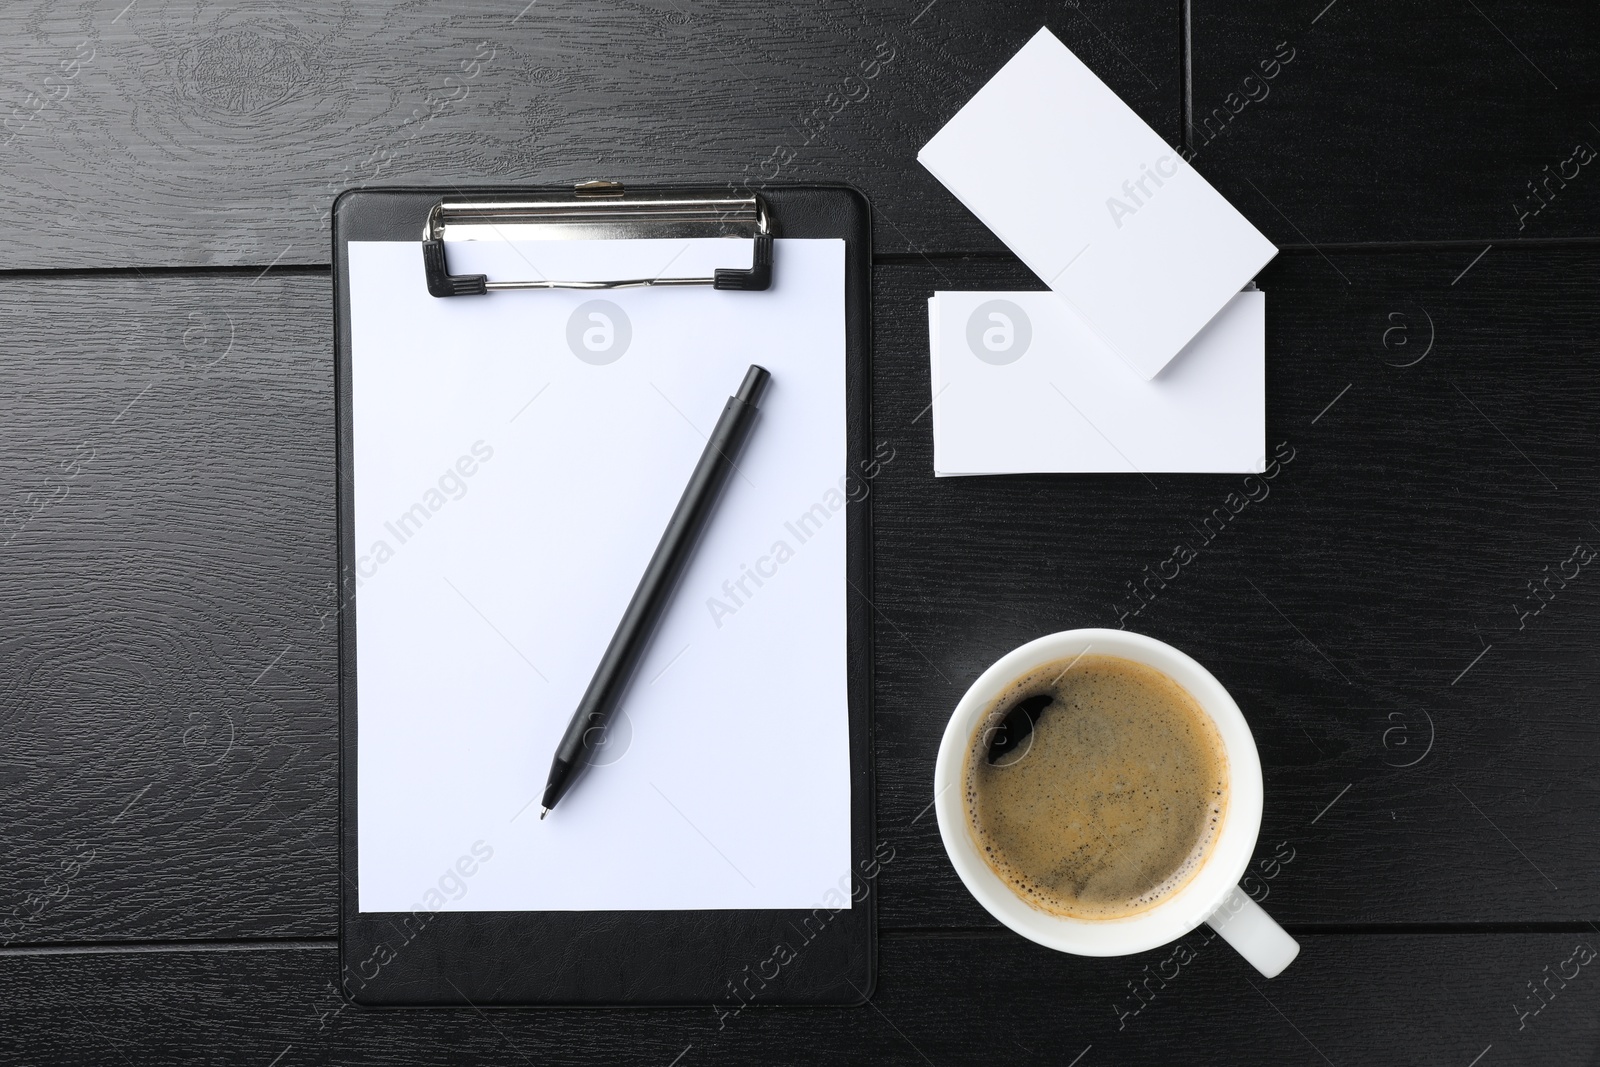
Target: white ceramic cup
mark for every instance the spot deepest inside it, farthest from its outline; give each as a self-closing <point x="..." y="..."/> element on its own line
<point x="1212" y="896"/>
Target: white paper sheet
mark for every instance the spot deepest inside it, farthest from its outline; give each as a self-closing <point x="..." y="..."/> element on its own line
<point x="1103" y="210"/>
<point x="1021" y="385"/>
<point x="537" y="485"/>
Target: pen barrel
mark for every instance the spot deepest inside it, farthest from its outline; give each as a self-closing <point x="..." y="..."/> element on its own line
<point x="661" y="576"/>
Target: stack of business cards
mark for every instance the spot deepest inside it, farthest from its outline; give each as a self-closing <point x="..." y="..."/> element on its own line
<point x="1146" y="355"/>
<point x="1103" y="210"/>
<point x="1021" y="385"/>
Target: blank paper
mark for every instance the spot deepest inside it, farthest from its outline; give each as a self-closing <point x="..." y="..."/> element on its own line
<point x="516" y="457"/>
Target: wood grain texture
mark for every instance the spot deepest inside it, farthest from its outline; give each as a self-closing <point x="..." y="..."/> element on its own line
<point x="1403" y="121"/>
<point x="167" y="701"/>
<point x="1349" y="999"/>
<point x="177" y="595"/>
<point x="209" y="133"/>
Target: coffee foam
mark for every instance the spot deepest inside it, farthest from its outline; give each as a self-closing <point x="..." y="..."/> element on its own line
<point x="1079" y="822"/>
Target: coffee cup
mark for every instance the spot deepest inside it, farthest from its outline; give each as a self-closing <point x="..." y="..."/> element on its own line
<point x="1211" y="896"/>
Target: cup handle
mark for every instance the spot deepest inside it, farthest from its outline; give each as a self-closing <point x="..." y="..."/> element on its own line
<point x="1264" y="944"/>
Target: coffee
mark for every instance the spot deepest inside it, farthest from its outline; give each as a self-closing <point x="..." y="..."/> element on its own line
<point x="1095" y="787"/>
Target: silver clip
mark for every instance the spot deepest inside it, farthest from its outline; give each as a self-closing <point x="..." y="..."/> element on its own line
<point x="597" y="210"/>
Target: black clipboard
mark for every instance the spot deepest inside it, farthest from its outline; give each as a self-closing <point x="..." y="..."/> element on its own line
<point x="725" y="959"/>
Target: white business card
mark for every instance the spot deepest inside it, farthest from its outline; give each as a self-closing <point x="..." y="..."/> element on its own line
<point x="1022" y="386"/>
<point x="1102" y="209"/>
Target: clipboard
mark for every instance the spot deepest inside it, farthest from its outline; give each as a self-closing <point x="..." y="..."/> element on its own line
<point x="727" y="958"/>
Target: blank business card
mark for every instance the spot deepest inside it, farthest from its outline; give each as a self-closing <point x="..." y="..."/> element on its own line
<point x="1094" y="201"/>
<point x="1022" y="386"/>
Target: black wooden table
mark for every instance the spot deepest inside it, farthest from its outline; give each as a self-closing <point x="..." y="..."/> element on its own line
<point x="1408" y="620"/>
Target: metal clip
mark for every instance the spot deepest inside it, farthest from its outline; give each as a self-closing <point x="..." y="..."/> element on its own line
<point x="598" y="210"/>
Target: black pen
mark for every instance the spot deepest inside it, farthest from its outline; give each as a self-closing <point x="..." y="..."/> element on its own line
<point x="655" y="588"/>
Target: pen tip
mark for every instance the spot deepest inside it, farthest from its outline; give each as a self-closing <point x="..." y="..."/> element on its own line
<point x="542" y="813"/>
